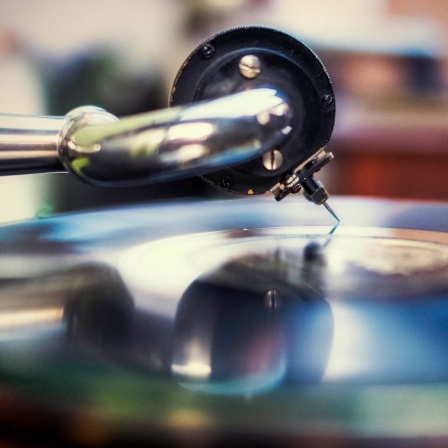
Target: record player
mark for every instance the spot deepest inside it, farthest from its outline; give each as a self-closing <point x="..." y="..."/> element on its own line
<point x="230" y="322"/>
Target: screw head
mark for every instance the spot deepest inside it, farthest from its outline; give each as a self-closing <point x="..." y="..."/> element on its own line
<point x="271" y="299"/>
<point x="207" y="51"/>
<point x="249" y="66"/>
<point x="327" y="100"/>
<point x="226" y="182"/>
<point x="272" y="160"/>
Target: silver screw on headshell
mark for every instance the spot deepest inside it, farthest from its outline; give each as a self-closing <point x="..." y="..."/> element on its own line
<point x="272" y="160"/>
<point x="249" y="66"/>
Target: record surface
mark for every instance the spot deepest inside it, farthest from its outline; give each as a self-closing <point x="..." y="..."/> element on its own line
<point x="227" y="322"/>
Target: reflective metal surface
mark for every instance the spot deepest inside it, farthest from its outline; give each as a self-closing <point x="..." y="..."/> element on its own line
<point x="29" y="144"/>
<point x="250" y="322"/>
<point x="168" y="144"/>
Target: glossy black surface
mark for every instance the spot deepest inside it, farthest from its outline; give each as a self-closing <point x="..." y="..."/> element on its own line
<point x="229" y="318"/>
<point x="286" y="64"/>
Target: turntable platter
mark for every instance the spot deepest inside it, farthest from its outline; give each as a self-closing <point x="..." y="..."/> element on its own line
<point x="227" y="322"/>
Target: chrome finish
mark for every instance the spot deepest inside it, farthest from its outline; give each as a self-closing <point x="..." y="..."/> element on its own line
<point x="272" y="160"/>
<point x="249" y="66"/>
<point x="29" y="144"/>
<point x="100" y="149"/>
<point x="176" y="142"/>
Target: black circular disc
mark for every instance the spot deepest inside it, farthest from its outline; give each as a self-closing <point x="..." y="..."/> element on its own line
<point x="211" y="71"/>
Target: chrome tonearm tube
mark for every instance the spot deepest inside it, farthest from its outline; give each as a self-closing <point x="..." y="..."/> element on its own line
<point x="180" y="141"/>
<point x="252" y="110"/>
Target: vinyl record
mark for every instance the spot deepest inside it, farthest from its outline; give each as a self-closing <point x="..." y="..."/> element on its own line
<point x="227" y="322"/>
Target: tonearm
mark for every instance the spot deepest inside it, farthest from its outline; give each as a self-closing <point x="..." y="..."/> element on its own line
<point x="252" y="110"/>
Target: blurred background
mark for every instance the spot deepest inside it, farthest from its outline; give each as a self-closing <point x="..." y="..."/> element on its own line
<point x="387" y="59"/>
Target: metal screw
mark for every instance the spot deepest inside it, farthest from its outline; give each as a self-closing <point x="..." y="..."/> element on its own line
<point x="226" y="182"/>
<point x="249" y="66"/>
<point x="207" y="51"/>
<point x="327" y="100"/>
<point x="272" y="160"/>
<point x="271" y="300"/>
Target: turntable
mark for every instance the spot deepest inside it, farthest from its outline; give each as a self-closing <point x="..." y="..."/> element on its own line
<point x="231" y="322"/>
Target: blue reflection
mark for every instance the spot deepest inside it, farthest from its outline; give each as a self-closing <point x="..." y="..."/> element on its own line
<point x="390" y="341"/>
<point x="251" y="338"/>
<point x="279" y="311"/>
<point x="305" y="334"/>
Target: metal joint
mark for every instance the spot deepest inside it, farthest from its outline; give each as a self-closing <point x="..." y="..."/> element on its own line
<point x="303" y="177"/>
